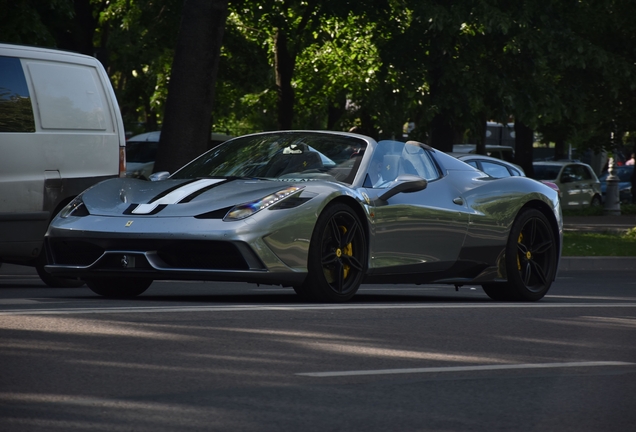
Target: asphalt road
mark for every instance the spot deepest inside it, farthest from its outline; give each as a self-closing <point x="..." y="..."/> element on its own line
<point x="237" y="357"/>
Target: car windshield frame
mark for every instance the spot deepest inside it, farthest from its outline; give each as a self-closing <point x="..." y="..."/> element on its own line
<point x="287" y="156"/>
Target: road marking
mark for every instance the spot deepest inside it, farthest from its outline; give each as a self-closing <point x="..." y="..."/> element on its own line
<point x="573" y="297"/>
<point x="464" y="368"/>
<point x="303" y="307"/>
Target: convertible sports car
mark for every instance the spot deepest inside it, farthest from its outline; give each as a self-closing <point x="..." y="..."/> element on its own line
<point x="321" y="212"/>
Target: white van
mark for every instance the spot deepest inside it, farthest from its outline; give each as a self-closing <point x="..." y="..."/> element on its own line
<point x="60" y="132"/>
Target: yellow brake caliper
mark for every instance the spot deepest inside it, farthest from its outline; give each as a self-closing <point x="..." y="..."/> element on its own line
<point x="348" y="251"/>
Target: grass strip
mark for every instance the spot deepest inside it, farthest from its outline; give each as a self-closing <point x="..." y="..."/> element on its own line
<point x="599" y="244"/>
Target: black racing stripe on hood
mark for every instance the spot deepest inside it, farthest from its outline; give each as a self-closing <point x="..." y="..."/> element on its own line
<point x="193" y="195"/>
<point x="129" y="210"/>
<point x="172" y="189"/>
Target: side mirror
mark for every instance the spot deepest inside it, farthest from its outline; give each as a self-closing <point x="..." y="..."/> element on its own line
<point x="566" y="178"/>
<point x="158" y="176"/>
<point x="404" y="184"/>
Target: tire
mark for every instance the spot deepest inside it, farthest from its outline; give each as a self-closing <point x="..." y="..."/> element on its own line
<point x="531" y="259"/>
<point x="119" y="287"/>
<point x="596" y="201"/>
<point x="54" y="281"/>
<point x="337" y="256"/>
<point x="497" y="291"/>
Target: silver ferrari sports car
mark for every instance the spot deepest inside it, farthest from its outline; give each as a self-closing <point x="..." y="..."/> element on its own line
<point x="322" y="212"/>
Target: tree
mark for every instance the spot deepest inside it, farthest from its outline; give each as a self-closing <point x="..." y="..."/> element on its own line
<point x="139" y="38"/>
<point x="288" y="28"/>
<point x="187" y="122"/>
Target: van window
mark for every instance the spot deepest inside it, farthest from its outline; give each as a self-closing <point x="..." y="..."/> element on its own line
<point x="16" y="111"/>
<point x="69" y="97"/>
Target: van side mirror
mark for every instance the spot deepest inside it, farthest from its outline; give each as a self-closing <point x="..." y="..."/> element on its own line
<point x="158" y="176"/>
<point x="404" y="184"/>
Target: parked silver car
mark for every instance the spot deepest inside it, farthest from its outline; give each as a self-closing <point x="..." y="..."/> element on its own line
<point x="577" y="182"/>
<point x="321" y="212"/>
<point x="502" y="152"/>
<point x="492" y="166"/>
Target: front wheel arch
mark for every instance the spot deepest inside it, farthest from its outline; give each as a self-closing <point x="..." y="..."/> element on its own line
<point x="338" y="255"/>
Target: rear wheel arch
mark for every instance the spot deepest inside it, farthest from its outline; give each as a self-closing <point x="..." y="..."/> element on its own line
<point x="547" y="212"/>
<point x="531" y="257"/>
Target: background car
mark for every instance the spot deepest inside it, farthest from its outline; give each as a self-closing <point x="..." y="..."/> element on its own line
<point x="624" y="173"/>
<point x="492" y="166"/>
<point x="321" y="212"/>
<point x="141" y="152"/>
<point x="577" y="182"/>
<point x="502" y="152"/>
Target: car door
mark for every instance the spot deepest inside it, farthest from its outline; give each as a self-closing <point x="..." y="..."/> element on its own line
<point x="419" y="231"/>
<point x="587" y="183"/>
<point x="570" y="182"/>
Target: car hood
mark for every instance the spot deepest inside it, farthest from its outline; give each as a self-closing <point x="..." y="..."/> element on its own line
<point x="169" y="198"/>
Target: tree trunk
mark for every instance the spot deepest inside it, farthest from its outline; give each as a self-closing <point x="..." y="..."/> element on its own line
<point x="335" y="111"/>
<point x="524" y="139"/>
<point x="187" y="121"/>
<point x="284" y="63"/>
<point x="480" y="134"/>
<point x="559" y="149"/>
<point x="442" y="135"/>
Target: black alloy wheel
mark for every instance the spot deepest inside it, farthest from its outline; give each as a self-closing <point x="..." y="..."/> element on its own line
<point x="337" y="256"/>
<point x="531" y="259"/>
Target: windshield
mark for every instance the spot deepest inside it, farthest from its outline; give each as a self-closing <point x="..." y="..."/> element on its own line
<point x="282" y="155"/>
<point x="546" y="172"/>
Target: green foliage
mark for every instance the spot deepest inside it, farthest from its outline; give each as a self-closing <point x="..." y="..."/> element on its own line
<point x="33" y="22"/>
<point x="16" y="114"/>
<point x="631" y="234"/>
<point x="140" y="38"/>
<point x="565" y="68"/>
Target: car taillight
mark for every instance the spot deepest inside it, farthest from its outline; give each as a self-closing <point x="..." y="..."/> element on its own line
<point x="122" y="161"/>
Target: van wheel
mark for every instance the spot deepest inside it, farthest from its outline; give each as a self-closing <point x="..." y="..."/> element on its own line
<point x="54" y="281"/>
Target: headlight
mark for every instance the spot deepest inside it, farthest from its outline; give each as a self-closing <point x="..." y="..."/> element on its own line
<point x="242" y="211"/>
<point x="74" y="208"/>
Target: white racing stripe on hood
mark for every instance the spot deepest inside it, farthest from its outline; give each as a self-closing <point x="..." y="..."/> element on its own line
<point x="176" y="195"/>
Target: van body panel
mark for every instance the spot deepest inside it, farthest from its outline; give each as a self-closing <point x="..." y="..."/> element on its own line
<point x="71" y="142"/>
